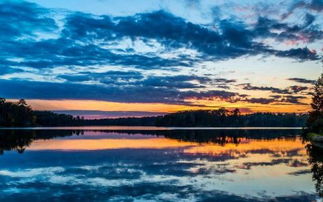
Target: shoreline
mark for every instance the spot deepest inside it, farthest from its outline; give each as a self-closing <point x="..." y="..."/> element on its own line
<point x="146" y="128"/>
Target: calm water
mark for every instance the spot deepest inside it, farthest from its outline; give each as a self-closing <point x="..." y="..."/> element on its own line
<point x="158" y="164"/>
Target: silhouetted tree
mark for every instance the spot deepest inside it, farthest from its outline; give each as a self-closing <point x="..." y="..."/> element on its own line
<point x="22" y="102"/>
<point x="236" y="112"/>
<point x="223" y="117"/>
<point x="15" y="114"/>
<point x="21" y="114"/>
<point x="19" y="140"/>
<point x="315" y="120"/>
<point x="316" y="162"/>
<point x="47" y="118"/>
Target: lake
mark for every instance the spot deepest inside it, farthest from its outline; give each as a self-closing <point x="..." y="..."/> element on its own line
<point x="158" y="164"/>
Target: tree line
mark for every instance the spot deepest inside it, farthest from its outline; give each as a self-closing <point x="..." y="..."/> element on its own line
<point x="226" y="118"/>
<point x="20" y="114"/>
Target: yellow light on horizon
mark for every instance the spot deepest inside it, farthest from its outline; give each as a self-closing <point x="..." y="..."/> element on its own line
<point x="96" y="105"/>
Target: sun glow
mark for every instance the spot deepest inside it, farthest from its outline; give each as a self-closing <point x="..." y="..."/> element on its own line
<point x="160" y="107"/>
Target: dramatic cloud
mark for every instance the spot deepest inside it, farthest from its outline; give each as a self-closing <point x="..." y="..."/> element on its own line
<point x="248" y="86"/>
<point x="138" y="93"/>
<point x="135" y="93"/>
<point x="288" y="99"/>
<point x="153" y="56"/>
<point x="22" y="19"/>
<point x="302" y="80"/>
<point x="306" y="32"/>
<point x="261" y="100"/>
<point x="299" y="53"/>
<point x="89" y="40"/>
<point x="177" y="82"/>
<point x="293" y="99"/>
<point x="297" y="89"/>
<point x="222" y="80"/>
<point x="315" y="5"/>
<point x="289" y="90"/>
<point x="110" y="77"/>
<point x="119" y="78"/>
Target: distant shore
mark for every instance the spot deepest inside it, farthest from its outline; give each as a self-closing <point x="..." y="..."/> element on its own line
<point x="148" y="128"/>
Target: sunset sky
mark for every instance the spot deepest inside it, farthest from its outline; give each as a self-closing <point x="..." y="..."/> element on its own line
<point x="112" y="58"/>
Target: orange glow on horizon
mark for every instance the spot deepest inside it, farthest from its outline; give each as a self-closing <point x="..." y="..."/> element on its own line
<point x="211" y="149"/>
<point x="106" y="106"/>
<point x="163" y="108"/>
<point x="102" y="144"/>
<point x="246" y="145"/>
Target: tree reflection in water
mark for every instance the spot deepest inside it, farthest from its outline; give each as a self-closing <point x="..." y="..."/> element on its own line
<point x="19" y="140"/>
<point x="316" y="161"/>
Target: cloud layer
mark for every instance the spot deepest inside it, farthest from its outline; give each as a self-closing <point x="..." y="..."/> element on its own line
<point x="77" y="55"/>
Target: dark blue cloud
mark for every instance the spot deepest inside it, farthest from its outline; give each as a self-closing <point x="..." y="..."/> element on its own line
<point x="302" y="80"/>
<point x="288" y="99"/>
<point x="248" y="86"/>
<point x="31" y="37"/>
<point x="83" y="37"/>
<point x="298" y="53"/>
<point x="177" y="82"/>
<point x="23" y="19"/>
<point x="289" y="90"/>
<point x="171" y="31"/>
<point x="137" y="93"/>
<point x="297" y="89"/>
<point x="232" y="39"/>
<point x="110" y="77"/>
<point x="313" y="5"/>
<point x="224" y="81"/>
<point x="293" y="99"/>
<point x="63" y="52"/>
<point x="261" y="100"/>
<point x="120" y="78"/>
<point x="280" y="31"/>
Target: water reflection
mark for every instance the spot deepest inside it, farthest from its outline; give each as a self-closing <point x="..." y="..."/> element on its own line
<point x="166" y="165"/>
<point x="19" y="140"/>
<point x="316" y="161"/>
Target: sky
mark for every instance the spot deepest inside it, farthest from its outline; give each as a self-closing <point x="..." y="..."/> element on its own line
<point x="112" y="58"/>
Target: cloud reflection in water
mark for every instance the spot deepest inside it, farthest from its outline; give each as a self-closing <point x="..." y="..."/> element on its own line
<point x="158" y="165"/>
